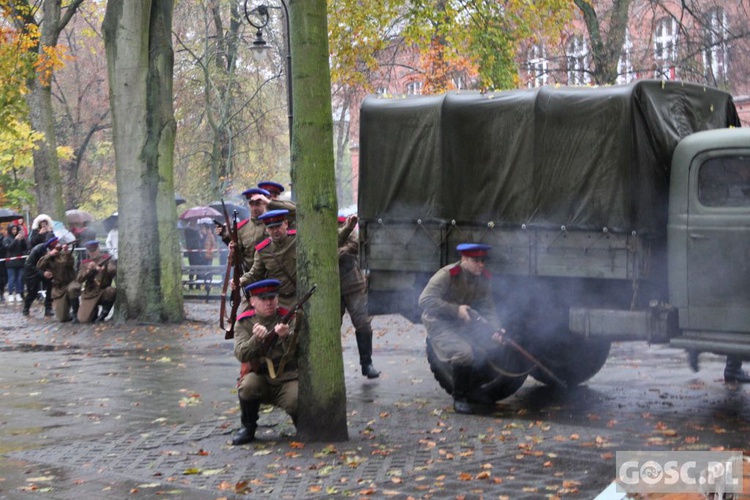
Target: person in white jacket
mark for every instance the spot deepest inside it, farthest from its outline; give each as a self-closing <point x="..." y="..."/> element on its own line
<point x="111" y="242"/>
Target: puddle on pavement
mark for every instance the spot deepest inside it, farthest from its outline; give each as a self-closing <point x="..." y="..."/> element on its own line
<point x="26" y="347"/>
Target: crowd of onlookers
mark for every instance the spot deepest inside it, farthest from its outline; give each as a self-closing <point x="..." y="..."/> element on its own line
<point x="18" y="242"/>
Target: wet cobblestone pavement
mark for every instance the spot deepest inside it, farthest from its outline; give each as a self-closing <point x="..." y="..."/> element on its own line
<point x="144" y="411"/>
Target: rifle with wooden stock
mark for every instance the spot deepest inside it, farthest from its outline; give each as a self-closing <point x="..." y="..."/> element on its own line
<point x="234" y="269"/>
<point x="502" y="337"/>
<point x="272" y="337"/>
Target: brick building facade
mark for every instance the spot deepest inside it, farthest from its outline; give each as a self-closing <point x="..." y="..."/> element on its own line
<point x="704" y="42"/>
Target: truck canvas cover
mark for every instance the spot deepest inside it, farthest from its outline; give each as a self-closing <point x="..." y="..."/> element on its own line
<point x="587" y="158"/>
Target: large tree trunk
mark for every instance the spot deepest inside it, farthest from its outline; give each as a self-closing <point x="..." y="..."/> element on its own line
<point x="137" y="35"/>
<point x="47" y="178"/>
<point x="322" y="394"/>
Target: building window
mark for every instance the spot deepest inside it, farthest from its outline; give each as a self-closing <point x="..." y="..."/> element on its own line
<point x="625" y="63"/>
<point x="537" y="67"/>
<point x="716" y="53"/>
<point x="577" y="57"/>
<point x="381" y="91"/>
<point x="665" y="47"/>
<point x="414" y="88"/>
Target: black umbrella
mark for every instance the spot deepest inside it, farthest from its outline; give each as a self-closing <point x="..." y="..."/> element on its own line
<point x="242" y="211"/>
<point x="178" y="200"/>
<point x="8" y="215"/>
<point x="110" y="222"/>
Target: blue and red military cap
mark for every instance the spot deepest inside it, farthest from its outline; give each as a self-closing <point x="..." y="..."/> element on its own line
<point x="473" y="249"/>
<point x="274" y="217"/>
<point x="257" y="193"/>
<point x="52" y="242"/>
<point x="263" y="288"/>
<point x="91" y="244"/>
<point x="272" y="187"/>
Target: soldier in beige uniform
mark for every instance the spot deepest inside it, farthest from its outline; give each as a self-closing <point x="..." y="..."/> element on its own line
<point x="354" y="293"/>
<point x="275" y="189"/>
<point x="250" y="231"/>
<point x="273" y="379"/>
<point x="448" y="301"/>
<point x="95" y="276"/>
<point x="58" y="265"/>
<point x="276" y="257"/>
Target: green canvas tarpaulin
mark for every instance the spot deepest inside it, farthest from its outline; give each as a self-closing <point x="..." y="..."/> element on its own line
<point x="586" y="158"/>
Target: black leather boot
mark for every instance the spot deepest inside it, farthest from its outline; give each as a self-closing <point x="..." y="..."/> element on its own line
<point x="693" y="360"/>
<point x="74" y="303"/>
<point x="461" y="388"/>
<point x="364" y="346"/>
<point x="733" y="371"/>
<point x="249" y="419"/>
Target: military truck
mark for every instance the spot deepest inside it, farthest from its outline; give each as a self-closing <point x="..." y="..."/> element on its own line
<point x="615" y="213"/>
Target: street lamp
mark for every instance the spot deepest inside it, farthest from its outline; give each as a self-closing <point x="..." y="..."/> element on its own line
<point x="258" y="18"/>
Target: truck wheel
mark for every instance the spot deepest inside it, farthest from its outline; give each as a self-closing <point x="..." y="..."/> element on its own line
<point x="500" y="388"/>
<point x="573" y="361"/>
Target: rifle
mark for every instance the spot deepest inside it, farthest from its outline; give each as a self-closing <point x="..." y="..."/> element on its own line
<point x="505" y="339"/>
<point x="270" y="341"/>
<point x="234" y="262"/>
<point x="93" y="275"/>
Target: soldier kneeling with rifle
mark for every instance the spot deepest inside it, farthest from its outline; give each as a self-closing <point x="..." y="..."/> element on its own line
<point x="265" y="339"/>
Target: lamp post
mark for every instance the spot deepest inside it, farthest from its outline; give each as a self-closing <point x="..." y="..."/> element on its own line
<point x="258" y="18"/>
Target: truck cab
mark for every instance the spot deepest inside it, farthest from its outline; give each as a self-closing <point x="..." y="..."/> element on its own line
<point x="709" y="241"/>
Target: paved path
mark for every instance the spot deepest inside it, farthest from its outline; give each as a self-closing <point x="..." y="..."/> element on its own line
<point x="147" y="411"/>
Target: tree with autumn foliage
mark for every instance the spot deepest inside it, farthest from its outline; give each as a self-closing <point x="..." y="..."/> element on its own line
<point x="43" y="26"/>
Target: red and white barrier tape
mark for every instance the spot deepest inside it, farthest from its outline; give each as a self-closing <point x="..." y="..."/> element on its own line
<point x="13" y="258"/>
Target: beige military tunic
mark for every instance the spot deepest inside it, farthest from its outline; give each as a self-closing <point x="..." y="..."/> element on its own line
<point x="276" y="261"/>
<point x="250" y="232"/>
<point x="64" y="284"/>
<point x="96" y="286"/>
<point x="353" y="284"/>
<point x="451" y="337"/>
<point x="281" y="390"/>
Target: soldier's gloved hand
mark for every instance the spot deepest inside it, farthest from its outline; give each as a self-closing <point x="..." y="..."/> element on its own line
<point x="463" y="313"/>
<point x="282" y="330"/>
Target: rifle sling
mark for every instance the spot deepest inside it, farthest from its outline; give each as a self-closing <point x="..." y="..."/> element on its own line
<point x="282" y="363"/>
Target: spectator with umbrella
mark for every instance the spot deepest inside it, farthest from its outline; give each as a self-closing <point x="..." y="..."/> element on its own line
<point x="194" y="240"/>
<point x="16" y="247"/>
<point x="6" y="215"/>
<point x="79" y="222"/>
<point x="208" y="237"/>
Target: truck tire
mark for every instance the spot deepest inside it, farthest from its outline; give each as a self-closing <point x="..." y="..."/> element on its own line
<point x="574" y="361"/>
<point x="501" y="388"/>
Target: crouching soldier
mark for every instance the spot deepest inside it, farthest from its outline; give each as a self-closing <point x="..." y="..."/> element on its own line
<point x="448" y="301"/>
<point x="95" y="276"/>
<point x="268" y="343"/>
<point x="58" y="266"/>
